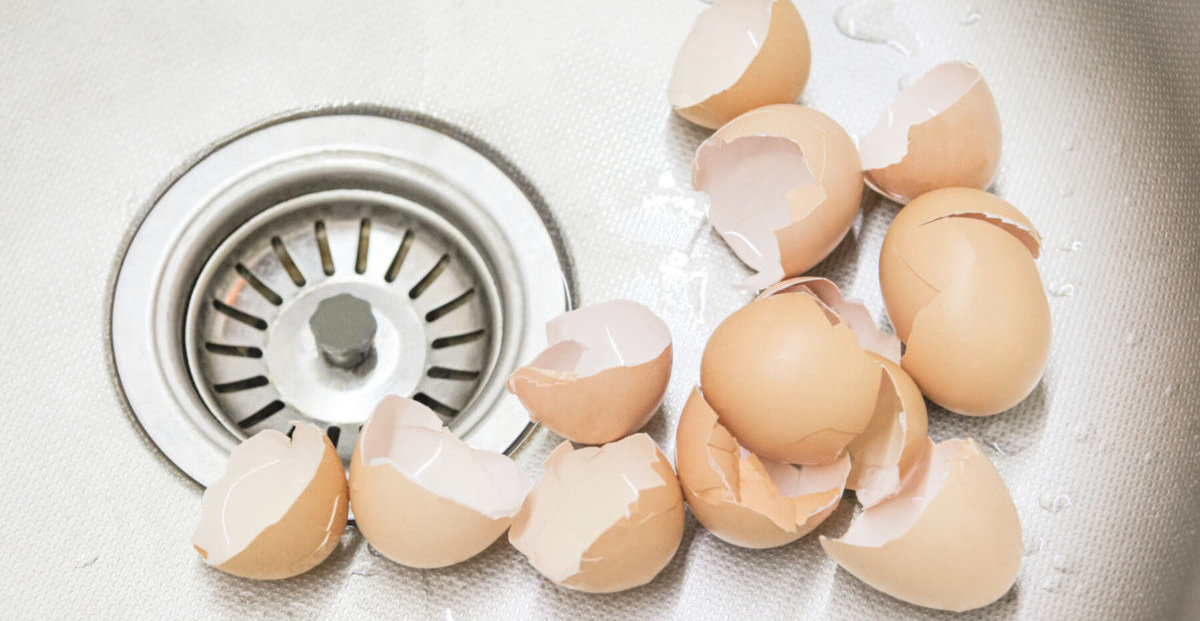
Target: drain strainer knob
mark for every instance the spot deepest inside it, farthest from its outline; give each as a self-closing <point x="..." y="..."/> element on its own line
<point x="344" y="328"/>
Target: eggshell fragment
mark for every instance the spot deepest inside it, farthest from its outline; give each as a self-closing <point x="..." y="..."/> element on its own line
<point x="278" y="510"/>
<point x="852" y="312"/>
<point x="740" y="54"/>
<point x="603" y="375"/>
<point x="943" y="131"/>
<point x="602" y="519"/>
<point x="788" y="379"/>
<point x="421" y="496"/>
<point x="886" y="452"/>
<point x="959" y="280"/>
<point x="745" y="500"/>
<point x="784" y="185"/>
<point x="950" y="540"/>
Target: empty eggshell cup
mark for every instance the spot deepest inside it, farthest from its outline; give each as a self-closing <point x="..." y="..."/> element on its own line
<point x="740" y="55"/>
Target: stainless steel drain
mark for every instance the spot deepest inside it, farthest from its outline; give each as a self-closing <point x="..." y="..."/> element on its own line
<point x="310" y="267"/>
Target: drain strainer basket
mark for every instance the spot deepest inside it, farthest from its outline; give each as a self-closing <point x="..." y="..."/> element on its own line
<point x="309" y="267"/>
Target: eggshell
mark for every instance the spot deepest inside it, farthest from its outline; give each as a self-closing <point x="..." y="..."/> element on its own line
<point x="745" y="500"/>
<point x="852" y="312"/>
<point x="421" y="496"/>
<point x="602" y="519"/>
<point x="788" y="379"/>
<point x="959" y="280"/>
<point x="603" y="375"/>
<point x="739" y="55"/>
<point x="950" y="540"/>
<point x="784" y="185"/>
<point x="885" y="453"/>
<point x="941" y="132"/>
<point x="278" y="510"/>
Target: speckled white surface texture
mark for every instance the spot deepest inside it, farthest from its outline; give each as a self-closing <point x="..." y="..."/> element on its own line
<point x="101" y="101"/>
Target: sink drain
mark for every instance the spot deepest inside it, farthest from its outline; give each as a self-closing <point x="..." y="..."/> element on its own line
<point x="309" y="267"/>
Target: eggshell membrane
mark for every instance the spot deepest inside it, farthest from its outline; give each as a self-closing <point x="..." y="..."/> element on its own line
<point x="950" y="540"/>
<point x="959" y="280"/>
<point x="742" y="499"/>
<point x="784" y="184"/>
<point x="852" y="312"/>
<point x="941" y="132"/>
<point x="278" y="510"/>
<point x="423" y="498"/>
<point x="739" y="55"/>
<point x="602" y="519"/>
<point x="886" y="452"/>
<point x="603" y="376"/>
<point x="788" y="379"/>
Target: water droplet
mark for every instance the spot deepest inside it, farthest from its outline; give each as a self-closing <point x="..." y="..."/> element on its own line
<point x="364" y="570"/>
<point x="1034" y="545"/>
<point x="86" y="561"/>
<point x="1060" y="564"/>
<point x="1083" y="431"/>
<point x="1133" y="338"/>
<point x="666" y="180"/>
<point x="373" y="551"/>
<point x="1052" y="584"/>
<point x="1054" y="502"/>
<point x="908" y="80"/>
<point x="1064" y="290"/>
<point x="970" y="15"/>
<point x="875" y="21"/>
<point x="1074" y="246"/>
<point x="998" y="450"/>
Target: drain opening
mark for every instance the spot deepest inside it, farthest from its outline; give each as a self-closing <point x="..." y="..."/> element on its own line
<point x="311" y="267"/>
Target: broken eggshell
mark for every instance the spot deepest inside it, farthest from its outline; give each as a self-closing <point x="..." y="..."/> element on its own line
<point x="743" y="499"/>
<point x="958" y="276"/>
<point x="739" y="55"/>
<point x="950" y="540"/>
<point x="784" y="185"/>
<point x="788" y="379"/>
<point x="602" y="519"/>
<point x="421" y="496"/>
<point x="603" y="375"/>
<point x="278" y="510"/>
<point x="886" y="452"/>
<point x="853" y="312"/>
<point x="942" y="131"/>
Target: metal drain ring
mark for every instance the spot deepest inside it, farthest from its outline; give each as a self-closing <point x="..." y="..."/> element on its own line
<point x="332" y="169"/>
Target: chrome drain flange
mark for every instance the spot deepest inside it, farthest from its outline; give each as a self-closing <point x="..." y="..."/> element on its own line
<point x="310" y="267"/>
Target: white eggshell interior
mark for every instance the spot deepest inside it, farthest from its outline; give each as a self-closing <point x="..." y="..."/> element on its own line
<point x="595" y="338"/>
<point x="410" y="438"/>
<point x="887" y="142"/>
<point x="893" y="517"/>
<point x="263" y="478"/>
<point x="748" y="180"/>
<point x="792" y="480"/>
<point x="723" y="42"/>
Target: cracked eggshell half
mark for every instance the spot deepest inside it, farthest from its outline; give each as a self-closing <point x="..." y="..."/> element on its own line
<point x="788" y="379"/>
<point x="784" y="184"/>
<point x="958" y="276"/>
<point x="602" y="377"/>
<point x="950" y="540"/>
<point x="941" y="132"/>
<point x="602" y="519"/>
<point x="739" y="55"/>
<point x="742" y="499"/>
<point x="278" y="510"/>
<point x="421" y="496"/>
<point x="887" y="451"/>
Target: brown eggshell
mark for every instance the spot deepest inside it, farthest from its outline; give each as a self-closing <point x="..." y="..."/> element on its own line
<point x="735" y="495"/>
<point x="602" y="377"/>
<point x="740" y="54"/>
<point x="959" y="280"/>
<point x="950" y="540"/>
<point x="402" y="515"/>
<point x="261" y="471"/>
<point x="885" y="453"/>
<point x="850" y="311"/>
<point x="784" y="184"/>
<point x="602" y="519"/>
<point x="941" y="132"/>
<point x="789" y="380"/>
